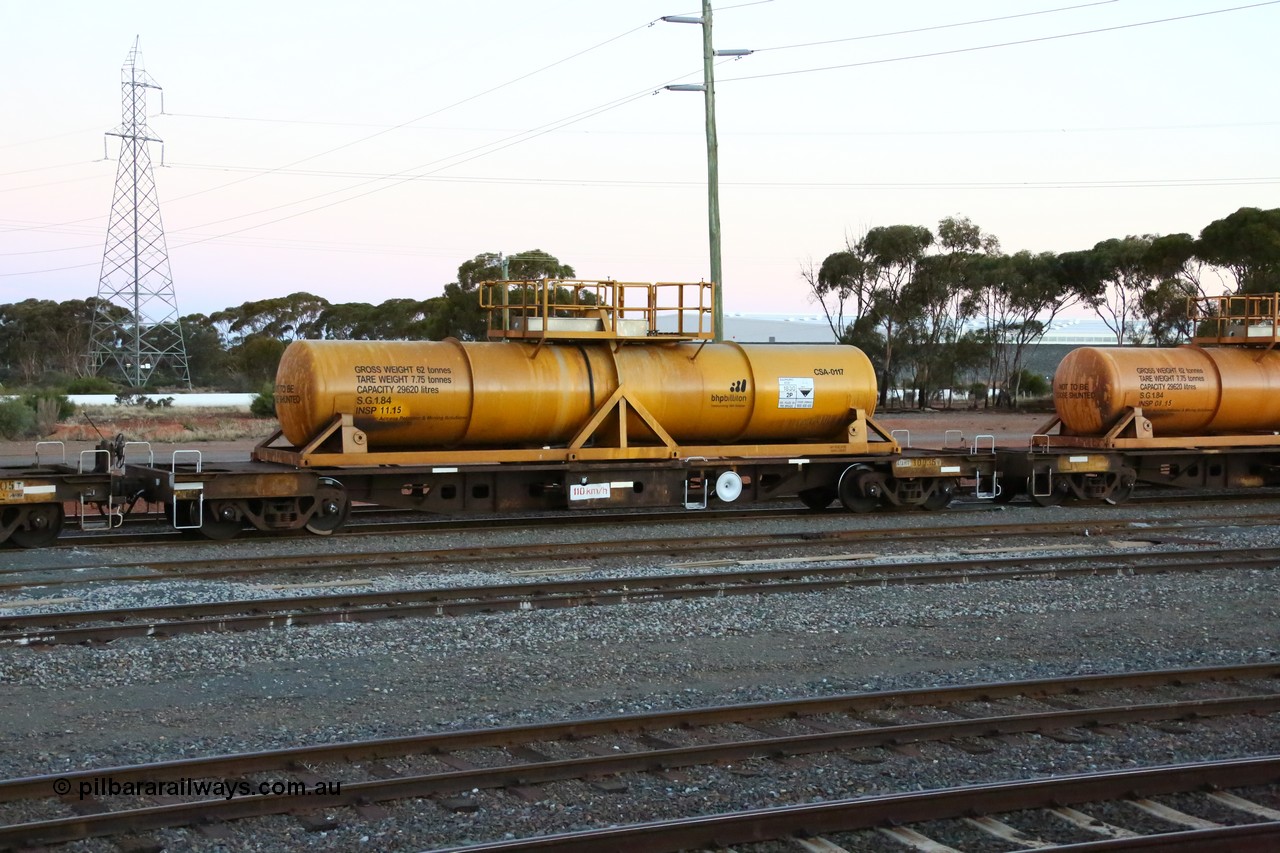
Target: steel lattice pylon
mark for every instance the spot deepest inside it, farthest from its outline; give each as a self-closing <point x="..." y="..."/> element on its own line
<point x="136" y="333"/>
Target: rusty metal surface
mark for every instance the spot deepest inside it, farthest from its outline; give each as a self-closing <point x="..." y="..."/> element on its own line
<point x="422" y="395"/>
<point x="1183" y="391"/>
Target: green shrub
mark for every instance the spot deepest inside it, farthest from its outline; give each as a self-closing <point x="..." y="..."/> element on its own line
<point x="1032" y="384"/>
<point x="17" y="419"/>
<point x="264" y="405"/>
<point x="58" y="404"/>
<point x="91" y="385"/>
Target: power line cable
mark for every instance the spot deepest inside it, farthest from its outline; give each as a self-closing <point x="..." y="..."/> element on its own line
<point x="811" y="133"/>
<point x="402" y="124"/>
<point x="47" y="168"/>
<point x="618" y="182"/>
<point x="401" y="178"/>
<point x="435" y="112"/>
<point x="396" y="179"/>
<point x="533" y="133"/>
<point x="46" y="138"/>
<point x="997" y="45"/>
<point x="936" y="27"/>
<point x="50" y="184"/>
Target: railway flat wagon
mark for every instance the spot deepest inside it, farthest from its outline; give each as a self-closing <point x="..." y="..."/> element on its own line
<point x="1205" y="415"/>
<point x="36" y="499"/>
<point x="588" y="395"/>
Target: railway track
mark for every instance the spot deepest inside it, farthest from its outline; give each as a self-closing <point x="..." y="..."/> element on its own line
<point x="104" y="625"/>
<point x="976" y="807"/>
<point x="380" y="521"/>
<point x="608" y="753"/>
<point x="591" y="554"/>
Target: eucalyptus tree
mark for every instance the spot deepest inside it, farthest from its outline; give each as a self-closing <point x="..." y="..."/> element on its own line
<point x="1180" y="275"/>
<point x="531" y="265"/>
<point x="1178" y="257"/>
<point x="40" y="338"/>
<point x="842" y="286"/>
<point x="1039" y="287"/>
<point x="285" y="318"/>
<point x="393" y="319"/>
<point x="207" y="359"/>
<point x="1247" y="243"/>
<point x="943" y="295"/>
<point x="1120" y="274"/>
<point x="893" y="254"/>
<point x="1164" y="310"/>
<point x="456" y="312"/>
<point x="1018" y="298"/>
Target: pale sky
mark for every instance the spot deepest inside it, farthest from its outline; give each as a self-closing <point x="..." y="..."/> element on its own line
<point x="361" y="152"/>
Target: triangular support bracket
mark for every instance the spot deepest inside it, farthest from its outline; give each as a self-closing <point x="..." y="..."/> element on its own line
<point x="862" y="427"/>
<point x="1132" y="424"/>
<point x="350" y="439"/>
<point x="618" y="403"/>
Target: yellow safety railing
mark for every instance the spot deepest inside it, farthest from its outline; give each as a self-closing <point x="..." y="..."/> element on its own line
<point x="1250" y="320"/>
<point x="555" y="309"/>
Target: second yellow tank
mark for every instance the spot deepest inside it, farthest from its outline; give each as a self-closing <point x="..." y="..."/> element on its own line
<point x="1183" y="391"/>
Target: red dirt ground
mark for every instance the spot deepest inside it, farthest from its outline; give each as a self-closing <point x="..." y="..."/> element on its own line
<point x="927" y="429"/>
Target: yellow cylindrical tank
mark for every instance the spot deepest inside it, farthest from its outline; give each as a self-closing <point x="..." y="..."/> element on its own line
<point x="1183" y="391"/>
<point x="433" y="394"/>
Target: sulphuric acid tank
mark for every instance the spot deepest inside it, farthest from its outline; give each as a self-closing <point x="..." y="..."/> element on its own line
<point x="1183" y="391"/>
<point x="440" y="394"/>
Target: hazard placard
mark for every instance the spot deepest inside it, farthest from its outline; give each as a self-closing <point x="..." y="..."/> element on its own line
<point x="795" y="392"/>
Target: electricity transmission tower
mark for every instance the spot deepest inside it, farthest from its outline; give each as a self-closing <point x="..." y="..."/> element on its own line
<point x="136" y="333"/>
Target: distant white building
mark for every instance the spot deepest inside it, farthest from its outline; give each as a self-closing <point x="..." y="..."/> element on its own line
<point x="778" y="328"/>
<point x="813" y="329"/>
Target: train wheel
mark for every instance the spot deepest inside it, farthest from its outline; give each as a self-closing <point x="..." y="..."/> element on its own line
<point x="185" y="515"/>
<point x="1123" y="489"/>
<point x="221" y="520"/>
<point x="940" y="497"/>
<point x="1061" y="489"/>
<point x="817" y="499"/>
<point x="859" y="490"/>
<point x="1008" y="491"/>
<point x="332" y="508"/>
<point x="40" y="528"/>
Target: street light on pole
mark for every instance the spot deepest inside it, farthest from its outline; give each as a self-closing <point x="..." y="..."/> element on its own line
<point x="713" y="168"/>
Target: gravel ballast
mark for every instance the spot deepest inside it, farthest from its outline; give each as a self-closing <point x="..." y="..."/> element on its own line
<point x="66" y="708"/>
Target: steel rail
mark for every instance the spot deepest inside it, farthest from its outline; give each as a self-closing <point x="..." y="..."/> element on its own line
<point x="537" y="772"/>
<point x="683" y="718"/>
<point x="723" y="830"/>
<point x="296" y="611"/>
<point x="218" y="567"/>
<point x="428" y="524"/>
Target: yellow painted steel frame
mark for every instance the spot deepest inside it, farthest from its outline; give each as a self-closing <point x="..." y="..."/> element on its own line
<point x="1134" y="432"/>
<point x="27" y="490"/>
<point x="340" y="444"/>
<point x="1245" y="320"/>
<point x="571" y="310"/>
